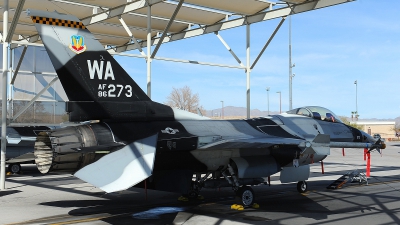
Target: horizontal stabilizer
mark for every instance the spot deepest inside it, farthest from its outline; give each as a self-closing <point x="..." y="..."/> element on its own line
<point x="123" y="168"/>
<point x="108" y="147"/>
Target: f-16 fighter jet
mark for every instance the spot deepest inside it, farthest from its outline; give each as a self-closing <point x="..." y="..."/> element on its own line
<point x="136" y="140"/>
<point x="20" y="146"/>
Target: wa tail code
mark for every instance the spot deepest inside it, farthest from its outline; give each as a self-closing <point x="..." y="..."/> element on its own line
<point x="94" y="67"/>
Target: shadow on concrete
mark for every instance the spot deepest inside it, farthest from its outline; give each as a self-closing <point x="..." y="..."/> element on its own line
<point x="8" y="192"/>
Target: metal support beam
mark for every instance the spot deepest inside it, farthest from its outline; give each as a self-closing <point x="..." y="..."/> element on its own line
<point x="171" y="20"/>
<point x="111" y="13"/>
<point x="117" y="11"/>
<point x="248" y="68"/>
<point x="16" y="44"/>
<point x="149" y="51"/>
<point x="14" y="21"/>
<point x="131" y="35"/>
<point x="268" y="42"/>
<point x="224" y="25"/>
<point x="229" y="49"/>
<point x="34" y="99"/>
<point x="19" y="65"/>
<point x="4" y="99"/>
<point x="180" y="60"/>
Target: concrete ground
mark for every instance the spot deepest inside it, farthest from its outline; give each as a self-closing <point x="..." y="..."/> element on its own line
<point x="32" y="198"/>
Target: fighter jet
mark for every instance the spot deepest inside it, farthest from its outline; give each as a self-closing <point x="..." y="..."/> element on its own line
<point x="20" y="146"/>
<point x="135" y="140"/>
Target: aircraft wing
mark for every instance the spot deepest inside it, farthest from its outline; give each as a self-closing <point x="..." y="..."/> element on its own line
<point x="320" y="144"/>
<point x="255" y="142"/>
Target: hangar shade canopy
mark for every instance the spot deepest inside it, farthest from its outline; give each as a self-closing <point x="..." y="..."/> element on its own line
<point x="118" y="24"/>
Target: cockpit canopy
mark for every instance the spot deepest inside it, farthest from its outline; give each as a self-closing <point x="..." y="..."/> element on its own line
<point x="316" y="112"/>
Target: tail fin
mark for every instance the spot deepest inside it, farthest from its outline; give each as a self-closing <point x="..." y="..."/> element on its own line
<point x="96" y="85"/>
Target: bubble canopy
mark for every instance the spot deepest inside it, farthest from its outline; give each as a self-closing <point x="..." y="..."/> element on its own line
<point x="316" y="112"/>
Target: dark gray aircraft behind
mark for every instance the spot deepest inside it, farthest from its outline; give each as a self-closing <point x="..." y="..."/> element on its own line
<point x="137" y="139"/>
<point x="20" y="146"/>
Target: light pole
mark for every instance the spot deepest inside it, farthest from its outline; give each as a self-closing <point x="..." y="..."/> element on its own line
<point x="280" y="102"/>
<point x="222" y="110"/>
<point x="356" y="112"/>
<point x="267" y="99"/>
<point x="290" y="63"/>
<point x="290" y="88"/>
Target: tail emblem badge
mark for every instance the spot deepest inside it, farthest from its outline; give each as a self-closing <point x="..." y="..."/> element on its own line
<point x="77" y="44"/>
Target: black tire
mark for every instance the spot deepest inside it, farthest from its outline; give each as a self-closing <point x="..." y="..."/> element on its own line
<point x="14" y="168"/>
<point x="302" y="186"/>
<point x="245" y="196"/>
<point x="194" y="191"/>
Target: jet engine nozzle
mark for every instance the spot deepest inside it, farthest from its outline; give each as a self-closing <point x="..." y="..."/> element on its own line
<point x="66" y="149"/>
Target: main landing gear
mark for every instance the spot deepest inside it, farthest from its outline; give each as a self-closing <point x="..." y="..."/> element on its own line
<point x="245" y="195"/>
<point x="14" y="168"/>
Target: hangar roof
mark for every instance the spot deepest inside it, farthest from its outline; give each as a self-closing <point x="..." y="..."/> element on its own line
<point x="193" y="17"/>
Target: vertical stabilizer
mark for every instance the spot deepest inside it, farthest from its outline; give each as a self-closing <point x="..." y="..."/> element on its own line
<point x="96" y="85"/>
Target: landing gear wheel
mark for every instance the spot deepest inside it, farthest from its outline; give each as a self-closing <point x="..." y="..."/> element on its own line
<point x="246" y="195"/>
<point x="194" y="191"/>
<point x="193" y="194"/>
<point x="302" y="186"/>
<point x="14" y="168"/>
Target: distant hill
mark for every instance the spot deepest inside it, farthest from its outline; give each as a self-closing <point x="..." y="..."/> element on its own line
<point x="238" y="112"/>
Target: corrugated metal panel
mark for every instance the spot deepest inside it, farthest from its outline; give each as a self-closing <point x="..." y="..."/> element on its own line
<point x="242" y="7"/>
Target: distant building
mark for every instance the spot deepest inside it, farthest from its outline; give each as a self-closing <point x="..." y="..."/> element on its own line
<point x="35" y="73"/>
<point x="384" y="128"/>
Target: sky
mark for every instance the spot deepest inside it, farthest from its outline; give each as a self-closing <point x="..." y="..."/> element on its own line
<point x="331" y="48"/>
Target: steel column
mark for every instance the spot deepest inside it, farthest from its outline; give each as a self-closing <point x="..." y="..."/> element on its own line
<point x="248" y="69"/>
<point x="149" y="51"/>
<point x="4" y="99"/>
<point x="290" y="63"/>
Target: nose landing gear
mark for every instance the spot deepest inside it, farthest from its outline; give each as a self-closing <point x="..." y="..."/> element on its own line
<point x="302" y="186"/>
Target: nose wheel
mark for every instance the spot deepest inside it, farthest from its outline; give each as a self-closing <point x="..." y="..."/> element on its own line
<point x="302" y="186"/>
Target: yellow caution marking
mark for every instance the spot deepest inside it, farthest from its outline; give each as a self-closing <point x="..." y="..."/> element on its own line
<point x="237" y="207"/>
<point x="255" y="206"/>
<point x="183" y="199"/>
<point x="80" y="221"/>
